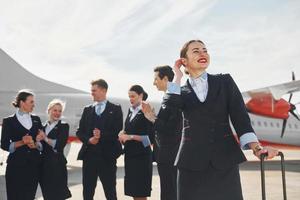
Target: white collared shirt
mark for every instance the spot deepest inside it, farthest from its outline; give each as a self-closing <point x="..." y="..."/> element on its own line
<point x="49" y="126"/>
<point x="24" y="119"/>
<point x="134" y="111"/>
<point x="200" y="86"/>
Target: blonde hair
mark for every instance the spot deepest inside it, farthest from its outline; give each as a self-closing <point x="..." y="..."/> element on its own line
<point x="55" y="102"/>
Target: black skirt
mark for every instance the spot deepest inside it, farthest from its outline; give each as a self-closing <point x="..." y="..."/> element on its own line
<point x="138" y="175"/>
<point x="211" y="183"/>
<point x="22" y="179"/>
<point x="54" y="178"/>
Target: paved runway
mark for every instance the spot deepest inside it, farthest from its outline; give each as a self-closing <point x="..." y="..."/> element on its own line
<point x="250" y="176"/>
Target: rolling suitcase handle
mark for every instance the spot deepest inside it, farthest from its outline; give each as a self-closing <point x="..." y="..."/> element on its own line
<point x="262" y="167"/>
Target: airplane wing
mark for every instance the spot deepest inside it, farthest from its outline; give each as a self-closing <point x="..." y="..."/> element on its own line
<point x="275" y="91"/>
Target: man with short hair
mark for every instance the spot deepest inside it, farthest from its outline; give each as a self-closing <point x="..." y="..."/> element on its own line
<point x="167" y="129"/>
<point x="98" y="130"/>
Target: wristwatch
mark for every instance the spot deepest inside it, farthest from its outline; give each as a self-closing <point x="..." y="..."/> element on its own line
<point x="131" y="137"/>
<point x="257" y="148"/>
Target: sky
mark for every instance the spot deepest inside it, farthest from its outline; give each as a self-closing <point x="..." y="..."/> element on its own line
<point x="73" y="41"/>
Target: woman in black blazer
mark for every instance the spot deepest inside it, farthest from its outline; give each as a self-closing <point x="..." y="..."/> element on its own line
<point x="54" y="175"/>
<point x="209" y="154"/>
<point x="18" y="137"/>
<point x="137" y="150"/>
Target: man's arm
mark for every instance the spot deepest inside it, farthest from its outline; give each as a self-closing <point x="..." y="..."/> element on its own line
<point x="81" y="132"/>
<point x="167" y="119"/>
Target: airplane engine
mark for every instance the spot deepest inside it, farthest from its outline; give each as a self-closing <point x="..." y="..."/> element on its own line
<point x="269" y="108"/>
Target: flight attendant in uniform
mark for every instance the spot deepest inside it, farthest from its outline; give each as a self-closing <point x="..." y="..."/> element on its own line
<point x="19" y="132"/>
<point x="98" y="131"/>
<point x="209" y="154"/>
<point x="138" y="154"/>
<point x="167" y="126"/>
<point x="54" y="175"/>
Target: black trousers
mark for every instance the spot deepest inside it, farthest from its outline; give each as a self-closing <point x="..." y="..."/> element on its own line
<point x="211" y="183"/>
<point x="22" y="181"/>
<point x="95" y="166"/>
<point x="168" y="181"/>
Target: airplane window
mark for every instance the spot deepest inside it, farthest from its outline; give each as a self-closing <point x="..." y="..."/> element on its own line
<point x="265" y="123"/>
<point x="296" y="126"/>
<point x="272" y="125"/>
<point x="290" y="125"/>
<point x="277" y="124"/>
<point x="252" y="122"/>
<point x="259" y="124"/>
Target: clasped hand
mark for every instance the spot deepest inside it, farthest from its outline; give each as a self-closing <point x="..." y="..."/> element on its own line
<point x="96" y="136"/>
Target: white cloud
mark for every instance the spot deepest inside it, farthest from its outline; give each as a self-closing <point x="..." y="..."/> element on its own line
<point x="122" y="41"/>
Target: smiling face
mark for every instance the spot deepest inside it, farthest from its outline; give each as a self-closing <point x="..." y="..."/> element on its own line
<point x="55" y="112"/>
<point x="197" y="57"/>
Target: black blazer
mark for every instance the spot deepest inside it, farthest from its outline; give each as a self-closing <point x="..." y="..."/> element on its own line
<point x="207" y="135"/>
<point x="112" y="120"/>
<point x="13" y="131"/>
<point x="60" y="133"/>
<point x="167" y="130"/>
<point x="139" y="125"/>
<point x="54" y="175"/>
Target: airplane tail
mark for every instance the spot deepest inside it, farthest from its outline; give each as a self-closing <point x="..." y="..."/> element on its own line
<point x="14" y="77"/>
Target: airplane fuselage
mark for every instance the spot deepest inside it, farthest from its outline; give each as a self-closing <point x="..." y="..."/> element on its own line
<point x="269" y="129"/>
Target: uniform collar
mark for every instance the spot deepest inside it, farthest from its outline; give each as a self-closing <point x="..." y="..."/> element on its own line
<point x="104" y="102"/>
<point x="138" y="108"/>
<point x="21" y="113"/>
<point x="54" y="123"/>
<point x="202" y="78"/>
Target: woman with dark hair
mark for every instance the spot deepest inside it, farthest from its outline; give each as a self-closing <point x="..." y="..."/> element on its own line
<point x="19" y="132"/>
<point x="137" y="150"/>
<point x="209" y="154"/>
<point x="54" y="175"/>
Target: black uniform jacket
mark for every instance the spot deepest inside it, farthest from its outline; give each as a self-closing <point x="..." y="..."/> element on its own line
<point x="207" y="135"/>
<point x="111" y="123"/>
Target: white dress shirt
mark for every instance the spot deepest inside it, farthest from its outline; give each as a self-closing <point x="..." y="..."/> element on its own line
<point x="50" y="126"/>
<point x="48" y="129"/>
<point x="25" y="119"/>
<point x="134" y="111"/>
<point x="200" y="86"/>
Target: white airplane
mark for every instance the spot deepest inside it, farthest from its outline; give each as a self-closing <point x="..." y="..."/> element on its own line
<point x="14" y="77"/>
<point x="273" y="118"/>
<point x="268" y="112"/>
